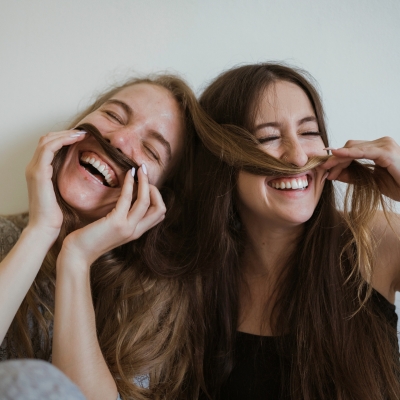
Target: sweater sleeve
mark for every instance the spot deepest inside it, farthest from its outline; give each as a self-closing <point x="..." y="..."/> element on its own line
<point x="11" y="227"/>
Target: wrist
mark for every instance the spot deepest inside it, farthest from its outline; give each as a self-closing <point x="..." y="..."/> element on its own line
<point x="41" y="236"/>
<point x="71" y="259"/>
<point x="46" y="234"/>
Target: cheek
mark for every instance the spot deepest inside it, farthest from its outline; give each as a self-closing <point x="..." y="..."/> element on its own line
<point x="316" y="148"/>
<point x="65" y="173"/>
<point x="156" y="177"/>
<point x="250" y="188"/>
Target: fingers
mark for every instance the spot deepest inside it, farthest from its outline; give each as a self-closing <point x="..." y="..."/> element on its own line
<point x="142" y="202"/>
<point x="382" y="151"/>
<point x="147" y="210"/>
<point x="50" y="144"/>
<point x="155" y="213"/>
<point x="125" y="200"/>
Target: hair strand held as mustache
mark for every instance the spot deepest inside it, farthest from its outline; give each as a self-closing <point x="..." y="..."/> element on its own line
<point x="122" y="161"/>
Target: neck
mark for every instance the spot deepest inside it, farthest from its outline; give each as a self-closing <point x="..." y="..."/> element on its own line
<point x="268" y="248"/>
<point x="265" y="255"/>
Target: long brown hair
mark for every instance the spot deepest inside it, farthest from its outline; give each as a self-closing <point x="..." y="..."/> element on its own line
<point x="142" y="310"/>
<point x="340" y="343"/>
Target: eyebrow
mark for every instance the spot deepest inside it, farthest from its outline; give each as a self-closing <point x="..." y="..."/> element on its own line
<point x="123" y="105"/>
<point x="156" y="135"/>
<point x="302" y="121"/>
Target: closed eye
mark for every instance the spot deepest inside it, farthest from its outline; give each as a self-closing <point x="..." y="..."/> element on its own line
<point x="114" y="116"/>
<point x="311" y="133"/>
<point x="154" y="155"/>
<point x="267" y="139"/>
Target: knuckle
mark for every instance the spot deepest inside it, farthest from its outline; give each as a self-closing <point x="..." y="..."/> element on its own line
<point x="44" y="137"/>
<point x="389" y="140"/>
<point x="126" y="196"/>
<point x="120" y="228"/>
<point x="349" y="143"/>
<point x="145" y="202"/>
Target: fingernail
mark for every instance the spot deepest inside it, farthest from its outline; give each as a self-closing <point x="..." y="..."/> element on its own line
<point x="329" y="148"/>
<point x="79" y="133"/>
<point x="133" y="171"/>
<point x="325" y="176"/>
<point x="144" y="168"/>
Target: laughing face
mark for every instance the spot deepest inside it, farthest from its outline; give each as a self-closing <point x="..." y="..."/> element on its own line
<point x="287" y="128"/>
<point x="144" y="122"/>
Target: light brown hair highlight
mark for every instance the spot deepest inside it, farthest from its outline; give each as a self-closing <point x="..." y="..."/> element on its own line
<point x="341" y="343"/>
<point x="142" y="310"/>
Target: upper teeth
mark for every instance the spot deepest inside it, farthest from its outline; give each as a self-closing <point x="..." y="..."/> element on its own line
<point x="298" y="183"/>
<point x="102" y="168"/>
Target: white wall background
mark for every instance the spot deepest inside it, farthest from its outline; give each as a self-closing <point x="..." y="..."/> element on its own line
<point x="54" y="55"/>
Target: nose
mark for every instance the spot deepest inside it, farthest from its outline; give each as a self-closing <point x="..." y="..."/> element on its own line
<point x="123" y="140"/>
<point x="294" y="153"/>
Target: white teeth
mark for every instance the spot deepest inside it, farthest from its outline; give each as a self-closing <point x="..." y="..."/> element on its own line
<point x="294" y="184"/>
<point x="101" y="168"/>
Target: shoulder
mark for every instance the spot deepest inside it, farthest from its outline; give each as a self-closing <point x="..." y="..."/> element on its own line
<point x="386" y="232"/>
<point x="11" y="227"/>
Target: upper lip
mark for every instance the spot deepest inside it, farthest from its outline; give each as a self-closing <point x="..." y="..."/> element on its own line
<point x="307" y="173"/>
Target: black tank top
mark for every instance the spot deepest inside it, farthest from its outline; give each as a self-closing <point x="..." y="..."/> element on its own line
<point x="257" y="371"/>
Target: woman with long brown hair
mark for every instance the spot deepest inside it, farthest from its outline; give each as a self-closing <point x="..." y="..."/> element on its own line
<point x="117" y="314"/>
<point x="297" y="292"/>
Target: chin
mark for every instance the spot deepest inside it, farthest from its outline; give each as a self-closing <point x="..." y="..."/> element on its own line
<point x="90" y="205"/>
<point x="298" y="219"/>
<point x="87" y="208"/>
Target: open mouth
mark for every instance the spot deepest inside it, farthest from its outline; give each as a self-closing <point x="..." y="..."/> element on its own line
<point x="287" y="183"/>
<point x="98" y="168"/>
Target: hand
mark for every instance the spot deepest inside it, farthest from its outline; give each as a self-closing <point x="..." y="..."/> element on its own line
<point x="126" y="222"/>
<point x="384" y="152"/>
<point x="44" y="211"/>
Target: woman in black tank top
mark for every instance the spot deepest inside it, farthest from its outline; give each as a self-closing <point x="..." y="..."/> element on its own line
<point x="298" y="292"/>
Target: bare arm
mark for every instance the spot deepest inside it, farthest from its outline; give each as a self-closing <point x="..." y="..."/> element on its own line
<point x="386" y="279"/>
<point x="17" y="272"/>
<point x="385" y="153"/>
<point x="76" y="350"/>
<point x="20" y="267"/>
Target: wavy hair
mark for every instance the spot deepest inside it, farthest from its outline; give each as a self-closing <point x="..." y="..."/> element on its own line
<point x="142" y="310"/>
<point x="340" y="342"/>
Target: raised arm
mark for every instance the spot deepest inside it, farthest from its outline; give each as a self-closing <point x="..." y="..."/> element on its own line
<point x="20" y="267"/>
<point x="385" y="153"/>
<point x="76" y="350"/>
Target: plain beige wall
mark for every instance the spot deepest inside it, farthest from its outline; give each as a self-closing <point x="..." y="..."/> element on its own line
<point x="56" y="54"/>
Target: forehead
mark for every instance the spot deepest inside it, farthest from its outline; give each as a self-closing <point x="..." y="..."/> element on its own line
<point x="283" y="99"/>
<point x="153" y="106"/>
<point x="140" y="94"/>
